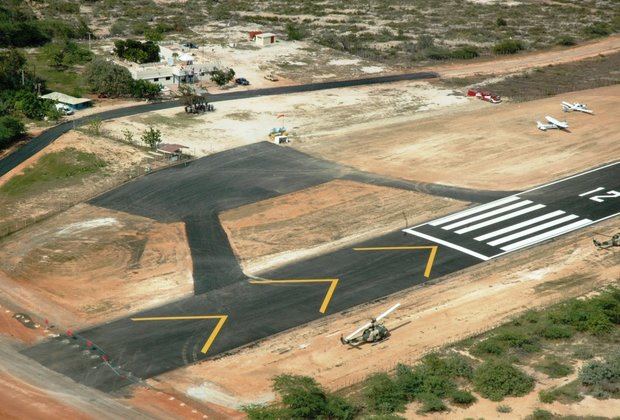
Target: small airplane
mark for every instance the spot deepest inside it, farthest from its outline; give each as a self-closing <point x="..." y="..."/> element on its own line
<point x="553" y="123"/>
<point x="567" y="107"/>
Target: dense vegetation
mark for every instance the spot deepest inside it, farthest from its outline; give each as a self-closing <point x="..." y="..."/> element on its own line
<point x="450" y="377"/>
<point x="19" y="26"/>
<point x="136" y="51"/>
<point x="111" y="80"/>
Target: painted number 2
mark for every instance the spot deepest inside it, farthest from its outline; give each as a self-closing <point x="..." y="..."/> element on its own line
<point x="601" y="198"/>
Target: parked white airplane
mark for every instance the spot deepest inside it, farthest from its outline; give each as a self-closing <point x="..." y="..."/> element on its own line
<point x="567" y="107"/>
<point x="553" y="123"/>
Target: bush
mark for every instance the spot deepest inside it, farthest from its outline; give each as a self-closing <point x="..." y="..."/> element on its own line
<point x="501" y="22"/>
<point x="584" y="315"/>
<point x="508" y="46"/>
<point x="546" y="396"/>
<point x="540" y="414"/>
<point x="265" y="412"/>
<point x="294" y="32"/>
<point x="222" y="76"/>
<point x="11" y="129"/>
<point x="465" y="53"/>
<point x="152" y="138"/>
<point x="107" y="78"/>
<point x="145" y="89"/>
<point x="431" y="403"/>
<point x="519" y="340"/>
<point x="136" y="51"/>
<point x="597" y="30"/>
<point x="463" y="397"/>
<point x="503" y="408"/>
<point x="437" y="53"/>
<point x="409" y="381"/>
<point x="383" y="395"/>
<point x="497" y="379"/>
<point x="489" y="346"/>
<point x="554" y="369"/>
<point x="555" y="331"/>
<point x="566" y="40"/>
<point x="425" y="42"/>
<point x="602" y="378"/>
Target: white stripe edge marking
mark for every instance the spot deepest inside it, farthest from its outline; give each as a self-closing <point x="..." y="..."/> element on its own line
<point x="487" y="214"/>
<point x="500" y="218"/>
<point x="520" y="225"/>
<point x="532" y="230"/>
<point x="448" y="244"/>
<point x="591" y="192"/>
<point x="547" y="235"/>
<point x="474" y="210"/>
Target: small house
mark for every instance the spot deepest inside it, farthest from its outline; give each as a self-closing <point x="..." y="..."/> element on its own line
<point x="71" y="102"/>
<point x="264" y="39"/>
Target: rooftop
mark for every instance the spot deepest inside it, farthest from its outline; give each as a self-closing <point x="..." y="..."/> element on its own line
<point x="65" y="99"/>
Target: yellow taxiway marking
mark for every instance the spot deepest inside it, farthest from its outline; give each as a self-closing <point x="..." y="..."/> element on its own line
<point x="429" y="262"/>
<point x="210" y="340"/>
<point x="328" y="295"/>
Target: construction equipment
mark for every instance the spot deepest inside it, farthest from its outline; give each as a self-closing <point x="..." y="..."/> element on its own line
<point x="370" y="332"/>
<point x="614" y="241"/>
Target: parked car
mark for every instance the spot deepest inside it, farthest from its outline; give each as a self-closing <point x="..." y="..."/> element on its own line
<point x="64" y="109"/>
<point x="242" y="81"/>
<point x="190" y="45"/>
<point x="271" y="77"/>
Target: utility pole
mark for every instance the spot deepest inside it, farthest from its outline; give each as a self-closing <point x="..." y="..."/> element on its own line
<point x="23" y="78"/>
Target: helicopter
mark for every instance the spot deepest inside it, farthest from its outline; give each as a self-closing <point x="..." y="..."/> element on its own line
<point x="371" y="332"/>
<point x="614" y="241"/>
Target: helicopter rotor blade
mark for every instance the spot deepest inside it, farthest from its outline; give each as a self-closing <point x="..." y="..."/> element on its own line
<point x="386" y="313"/>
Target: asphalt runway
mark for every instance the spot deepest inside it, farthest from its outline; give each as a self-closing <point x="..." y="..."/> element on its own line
<point x="40" y="142"/>
<point x="237" y="310"/>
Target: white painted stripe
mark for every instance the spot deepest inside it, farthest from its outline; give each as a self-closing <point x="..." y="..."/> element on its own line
<point x="547" y="235"/>
<point x="448" y="244"/>
<point x="519" y="225"/>
<point x="487" y="214"/>
<point x="571" y="177"/>
<point x="532" y="230"/>
<point x="500" y="218"/>
<point x="474" y="210"/>
<point x="591" y="192"/>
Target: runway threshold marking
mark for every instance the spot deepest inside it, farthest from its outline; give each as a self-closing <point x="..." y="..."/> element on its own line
<point x="214" y="333"/>
<point x="429" y="262"/>
<point x="328" y="295"/>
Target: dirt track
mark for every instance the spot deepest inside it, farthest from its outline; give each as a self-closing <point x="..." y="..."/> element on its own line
<point x="520" y="62"/>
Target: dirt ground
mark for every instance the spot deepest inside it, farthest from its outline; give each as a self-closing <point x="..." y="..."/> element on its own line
<point x="431" y="316"/>
<point x="123" y="162"/>
<point x="330" y="215"/>
<point x="306" y="115"/>
<point x="491" y="148"/>
<point x="88" y="265"/>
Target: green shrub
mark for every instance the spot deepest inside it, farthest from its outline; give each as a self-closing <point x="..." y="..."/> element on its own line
<point x="602" y="378"/>
<point x="431" y="403"/>
<point x="498" y="379"/>
<point x="583" y="353"/>
<point x="546" y="396"/>
<point x="501" y="22"/>
<point x="503" y="408"/>
<point x="517" y="339"/>
<point x="508" y="46"/>
<point x="11" y="129"/>
<point x="265" y="412"/>
<point x="554" y="369"/>
<point x="597" y="30"/>
<point x="295" y="32"/>
<point x="489" y="346"/>
<point x="584" y="315"/>
<point x="566" y="40"/>
<point x="540" y="414"/>
<point x="383" y="395"/>
<point x="465" y="53"/>
<point x="136" y="51"/>
<point x="555" y="331"/>
<point x="437" y="53"/>
<point x="463" y="397"/>
<point x="409" y="381"/>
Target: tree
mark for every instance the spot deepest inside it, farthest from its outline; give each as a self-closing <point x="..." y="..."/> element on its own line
<point x="136" y="51"/>
<point x="127" y="136"/>
<point x="294" y="32"/>
<point x="222" y="76"/>
<point x="152" y="137"/>
<point x="10" y="129"/>
<point x="107" y="78"/>
<point x="145" y="89"/>
<point x="94" y="126"/>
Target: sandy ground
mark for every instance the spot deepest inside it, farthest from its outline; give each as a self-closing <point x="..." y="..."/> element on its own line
<point x="11" y="328"/>
<point x="306" y="115"/>
<point x="459" y="306"/>
<point x="123" y="162"/>
<point x="521" y="62"/>
<point x="491" y="148"/>
<point x="124" y="263"/>
<point x="327" y="216"/>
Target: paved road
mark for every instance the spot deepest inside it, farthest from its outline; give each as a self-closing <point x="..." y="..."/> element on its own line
<point x="258" y="310"/>
<point x="40" y="142"/>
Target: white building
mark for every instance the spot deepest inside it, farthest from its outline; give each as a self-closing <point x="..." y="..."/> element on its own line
<point x="69" y="101"/>
<point x="264" y="39"/>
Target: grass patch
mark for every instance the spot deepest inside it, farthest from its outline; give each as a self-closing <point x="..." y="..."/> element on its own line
<point x="52" y="170"/>
<point x="65" y="80"/>
<point x="553" y="368"/>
